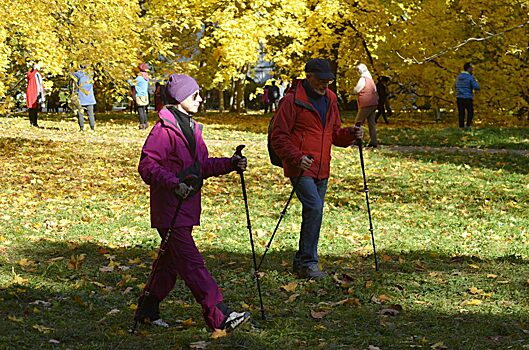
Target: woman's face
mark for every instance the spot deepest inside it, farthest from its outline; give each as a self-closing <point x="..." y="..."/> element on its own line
<point x="191" y="104"/>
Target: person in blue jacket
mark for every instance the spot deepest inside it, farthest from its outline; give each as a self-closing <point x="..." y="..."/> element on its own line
<point x="465" y="86"/>
<point x="85" y="92"/>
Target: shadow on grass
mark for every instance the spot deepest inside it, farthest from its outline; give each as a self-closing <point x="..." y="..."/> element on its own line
<point x="511" y="163"/>
<point x="75" y="307"/>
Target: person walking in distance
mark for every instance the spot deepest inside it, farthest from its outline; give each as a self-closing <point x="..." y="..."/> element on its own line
<point x="465" y="86"/>
<point x="305" y="127"/>
<point x="367" y="102"/>
<point x="383" y="94"/>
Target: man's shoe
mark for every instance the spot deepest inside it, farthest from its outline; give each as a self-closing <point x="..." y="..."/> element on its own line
<point x="234" y="320"/>
<point x="312" y="272"/>
<point x="371" y="146"/>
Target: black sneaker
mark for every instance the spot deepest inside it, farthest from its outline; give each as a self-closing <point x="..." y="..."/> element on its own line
<point x="234" y="320"/>
<point x="148" y="310"/>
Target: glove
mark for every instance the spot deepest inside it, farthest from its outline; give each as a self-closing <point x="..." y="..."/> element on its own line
<point x="357" y="131"/>
<point x="239" y="163"/>
<point x="183" y="190"/>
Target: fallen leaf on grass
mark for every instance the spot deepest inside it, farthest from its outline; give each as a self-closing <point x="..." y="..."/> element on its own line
<point x="188" y="323"/>
<point x="491" y="275"/>
<point x="134" y="261"/>
<point x="113" y="312"/>
<point x="218" y="333"/>
<point x="14" y="318"/>
<point x="318" y="315"/>
<point x="290" y="287"/>
<point x="292" y="297"/>
<point x="383" y="298"/>
<point x="439" y="345"/>
<point x="389" y="312"/>
<point x="472" y="302"/>
<point x="76" y="261"/>
<point x="199" y="345"/>
<point x="372" y="347"/>
<point x="54" y="341"/>
<point x="19" y="280"/>
<point x="42" y="329"/>
<point x="348" y="301"/>
<point x="368" y="284"/>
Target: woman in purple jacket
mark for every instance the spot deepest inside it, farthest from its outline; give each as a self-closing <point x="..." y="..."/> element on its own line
<point x="174" y="161"/>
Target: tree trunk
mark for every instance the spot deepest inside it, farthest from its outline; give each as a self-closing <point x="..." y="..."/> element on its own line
<point x="221" y="100"/>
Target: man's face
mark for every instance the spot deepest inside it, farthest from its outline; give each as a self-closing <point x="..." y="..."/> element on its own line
<point x="191" y="104"/>
<point x="318" y="85"/>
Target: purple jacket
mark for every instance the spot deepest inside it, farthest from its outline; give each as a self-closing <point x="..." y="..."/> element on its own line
<point x="166" y="153"/>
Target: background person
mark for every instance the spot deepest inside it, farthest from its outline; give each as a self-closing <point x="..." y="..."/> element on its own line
<point x="307" y="124"/>
<point x="85" y="93"/>
<point x="141" y="90"/>
<point x="367" y="102"/>
<point x="465" y="86"/>
<point x="383" y="94"/>
<point x="34" y="94"/>
<point x="174" y="151"/>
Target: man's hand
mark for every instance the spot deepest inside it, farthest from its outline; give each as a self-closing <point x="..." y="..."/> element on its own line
<point x="183" y="190"/>
<point x="357" y="132"/>
<point x="305" y="162"/>
<point x="239" y="162"/>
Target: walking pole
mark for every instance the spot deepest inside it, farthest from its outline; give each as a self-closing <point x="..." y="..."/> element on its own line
<point x="161" y="251"/>
<point x="283" y="212"/>
<point x="238" y="151"/>
<point x="366" y="191"/>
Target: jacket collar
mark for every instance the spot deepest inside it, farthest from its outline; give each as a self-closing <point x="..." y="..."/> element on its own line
<point x="301" y="98"/>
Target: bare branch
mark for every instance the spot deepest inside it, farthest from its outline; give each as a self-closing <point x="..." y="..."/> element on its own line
<point x="458" y="46"/>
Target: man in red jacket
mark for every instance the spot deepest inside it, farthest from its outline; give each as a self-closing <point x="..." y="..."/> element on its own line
<point x="306" y="124"/>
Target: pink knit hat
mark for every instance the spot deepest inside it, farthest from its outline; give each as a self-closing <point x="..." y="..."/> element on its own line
<point x="181" y="86"/>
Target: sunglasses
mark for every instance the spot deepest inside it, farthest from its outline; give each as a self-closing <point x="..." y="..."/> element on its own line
<point x="196" y="95"/>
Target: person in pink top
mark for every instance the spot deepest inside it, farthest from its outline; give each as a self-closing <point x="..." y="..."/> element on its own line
<point x="367" y="102"/>
<point x="174" y="162"/>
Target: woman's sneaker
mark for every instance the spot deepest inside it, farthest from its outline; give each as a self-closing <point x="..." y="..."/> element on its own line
<point x="234" y="320"/>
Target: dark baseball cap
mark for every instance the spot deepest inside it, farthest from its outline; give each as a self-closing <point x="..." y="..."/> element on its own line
<point x="321" y="68"/>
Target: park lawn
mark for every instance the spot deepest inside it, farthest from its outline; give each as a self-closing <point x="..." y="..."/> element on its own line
<point x="452" y="235"/>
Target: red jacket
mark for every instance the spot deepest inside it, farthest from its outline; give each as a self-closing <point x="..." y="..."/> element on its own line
<point x="297" y="131"/>
<point x="34" y="89"/>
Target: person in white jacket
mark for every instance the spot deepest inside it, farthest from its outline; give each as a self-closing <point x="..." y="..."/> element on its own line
<point x="367" y="102"/>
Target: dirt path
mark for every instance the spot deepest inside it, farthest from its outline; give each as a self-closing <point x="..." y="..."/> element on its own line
<point x="414" y="149"/>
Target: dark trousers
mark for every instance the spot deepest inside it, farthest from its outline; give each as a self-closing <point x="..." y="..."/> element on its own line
<point x="142" y="114"/>
<point x="181" y="257"/>
<point x="381" y="111"/>
<point x="33" y="112"/>
<point x="465" y="104"/>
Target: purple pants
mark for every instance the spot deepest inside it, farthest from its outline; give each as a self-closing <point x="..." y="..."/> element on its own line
<point x="182" y="258"/>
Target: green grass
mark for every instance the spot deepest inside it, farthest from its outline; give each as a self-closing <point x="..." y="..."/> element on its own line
<point x="452" y="235"/>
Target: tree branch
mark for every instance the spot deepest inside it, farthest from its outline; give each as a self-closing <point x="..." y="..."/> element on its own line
<point x="455" y="48"/>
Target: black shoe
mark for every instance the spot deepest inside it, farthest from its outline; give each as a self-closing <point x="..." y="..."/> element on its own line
<point x="234" y="320"/>
<point x="148" y="310"/>
<point x="371" y="146"/>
